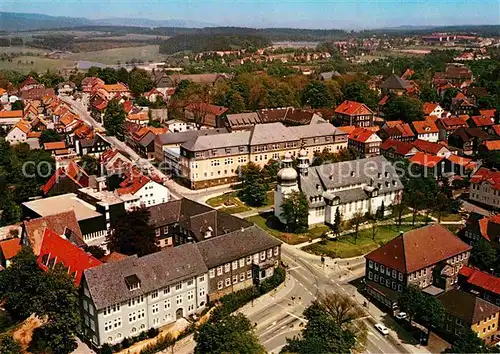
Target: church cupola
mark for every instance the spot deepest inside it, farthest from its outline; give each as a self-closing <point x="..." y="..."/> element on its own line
<point x="303" y="160"/>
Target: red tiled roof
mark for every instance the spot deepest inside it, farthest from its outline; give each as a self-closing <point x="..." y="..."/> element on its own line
<point x="383" y="101"/>
<point x="460" y="96"/>
<point x="10" y="247"/>
<point x="491" y="145"/>
<point x="361" y="135"/>
<point x="481" y="279"/>
<point x="127" y="106"/>
<point x="428" y="146"/>
<point x="393" y="123"/>
<point x="419" y="248"/>
<point x="24" y="126"/>
<point x="353" y="108"/>
<point x="488" y="113"/>
<point x="73" y="171"/>
<point x="400" y="147"/>
<point x="462" y="161"/>
<point x="425" y="127"/>
<point x="486" y="175"/>
<point x="11" y="114"/>
<point x="56" y="145"/>
<point x="429" y="107"/>
<point x="481" y="121"/>
<point x="425" y="160"/>
<point x="405" y="130"/>
<point x="113" y="257"/>
<point x="212" y="109"/>
<point x="453" y="122"/>
<point x="63" y="251"/>
<point x="132" y="186"/>
<point x="29" y="81"/>
<point x="347" y="129"/>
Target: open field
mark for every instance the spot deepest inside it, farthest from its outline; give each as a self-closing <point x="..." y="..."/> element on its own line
<point x="122" y="55"/>
<point x="22" y="49"/>
<point x="40" y="63"/>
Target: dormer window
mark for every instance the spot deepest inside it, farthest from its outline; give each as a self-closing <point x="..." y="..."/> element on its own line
<point x="353" y="174"/>
<point x="133" y="282"/>
<point x="386" y="174"/>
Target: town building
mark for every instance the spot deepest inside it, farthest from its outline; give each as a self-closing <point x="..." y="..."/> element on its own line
<point x="426" y="130"/>
<point x="431" y="148"/>
<point x="431" y="165"/>
<point x="479" y="227"/>
<point x="429" y="257"/>
<point x="10" y="118"/>
<point x="433" y="109"/>
<point x="397" y="130"/>
<point x="481" y="284"/>
<point x="354" y="113"/>
<point x="395" y="149"/>
<point x="485" y="187"/>
<point x="207" y="162"/>
<point x="467" y="139"/>
<point x="365" y="141"/>
<point x="67" y="179"/>
<point x="448" y="125"/>
<point x="19" y="133"/>
<point x="358" y="186"/>
<point x="482" y="122"/>
<point x="463" y="309"/>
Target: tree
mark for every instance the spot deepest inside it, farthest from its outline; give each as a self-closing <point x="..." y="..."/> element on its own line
<point x="448" y="95"/>
<point x="380" y="213"/>
<point x="483" y="255"/>
<point x="271" y="169"/>
<point x="231" y="334"/>
<point x="253" y="186"/>
<point x="90" y="165"/>
<point x="466" y="342"/>
<point x="441" y="205"/>
<point x="403" y="108"/>
<point x="316" y="95"/>
<point x="373" y="222"/>
<point x="337" y="223"/>
<point x="398" y="210"/>
<point x="132" y="234"/>
<point x="49" y="136"/>
<point x="421" y="307"/>
<point x="359" y="91"/>
<point x="410" y="301"/>
<point x="323" y="333"/>
<point x="356" y="219"/>
<point x="96" y="251"/>
<point x="114" y="119"/>
<point x="9" y="345"/>
<point x="295" y="211"/>
<point x="428" y="94"/>
<point x="17" y="106"/>
<point x="139" y="81"/>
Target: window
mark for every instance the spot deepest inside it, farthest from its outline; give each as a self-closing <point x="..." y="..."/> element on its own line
<point x="376" y="276"/>
<point x="269" y="253"/>
<point x="132" y="317"/>
<point x="201" y="279"/>
<point x="202" y="293"/>
<point x="166" y="290"/>
<point x="370" y="275"/>
<point x="276" y="250"/>
<point x="165" y="229"/>
<point x="227" y="282"/>
<point x="400" y="276"/>
<point x="157" y="232"/>
<point x="108" y="326"/>
<point x="376" y="266"/>
<point x="256" y="258"/>
<point x="263" y="255"/>
<point x="249" y="260"/>
<point x="190" y="282"/>
<point x="219" y="285"/>
<point x="190" y="308"/>
<point x="235" y="265"/>
<point x="382" y="268"/>
<point x="211" y="273"/>
<point x="154" y="294"/>
<point x="227" y="267"/>
<point x="167" y="304"/>
<point x="242" y="277"/>
<point x="178" y="286"/>
<point x="235" y="279"/>
<point x="394" y="274"/>
<point x="190" y="295"/>
<point x="155" y="308"/>
<point x="242" y="262"/>
<point x="219" y="270"/>
<point x="178" y="299"/>
<point x="370" y="264"/>
<point x="249" y="274"/>
<point x="141" y="314"/>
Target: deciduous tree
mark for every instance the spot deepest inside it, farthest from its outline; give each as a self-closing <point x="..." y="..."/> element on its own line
<point x="254" y="187"/>
<point x="49" y="136"/>
<point x="483" y="255"/>
<point x="114" y="119"/>
<point x="295" y="211"/>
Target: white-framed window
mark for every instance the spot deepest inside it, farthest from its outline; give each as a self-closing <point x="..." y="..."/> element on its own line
<point x="242" y="277"/>
<point x="157" y="232"/>
<point x="141" y="314"/>
<point x="375" y="277"/>
<point x="249" y="274"/>
<point x="167" y="304"/>
<point x="190" y="295"/>
<point x="190" y="308"/>
<point x="235" y="265"/>
<point x="376" y="266"/>
<point x="155" y="308"/>
<point x="190" y="282"/>
<point x="276" y="250"/>
<point x="201" y="279"/>
<point x="382" y="268"/>
<point x="370" y="275"/>
<point x="166" y="290"/>
<point x="211" y="273"/>
<point x="370" y="264"/>
<point x="154" y="294"/>
<point x="227" y="267"/>
<point x="242" y="262"/>
<point x="235" y="279"/>
<point x="263" y="255"/>
<point x="400" y="276"/>
<point x="220" y="285"/>
<point x="269" y="253"/>
<point x="108" y="326"/>
<point x="178" y="286"/>
<point x="219" y="270"/>
<point x="202" y="292"/>
<point x="256" y="258"/>
<point x="227" y="282"/>
<point x="249" y="260"/>
<point x="178" y="299"/>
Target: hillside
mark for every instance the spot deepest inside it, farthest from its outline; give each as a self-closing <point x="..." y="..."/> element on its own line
<point x="210" y="42"/>
<point x="10" y="21"/>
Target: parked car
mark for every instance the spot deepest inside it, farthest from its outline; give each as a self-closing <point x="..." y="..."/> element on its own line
<point x="401" y="315"/>
<point x="382" y="329"/>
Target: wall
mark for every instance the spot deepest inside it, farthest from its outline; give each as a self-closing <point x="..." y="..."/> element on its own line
<point x="484" y="193"/>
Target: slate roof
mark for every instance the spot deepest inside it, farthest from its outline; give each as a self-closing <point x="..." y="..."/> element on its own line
<point x="182" y="137"/>
<point x="154" y="271"/>
<point x="468" y="307"/>
<point x="394" y="82"/>
<point x="235" y="245"/>
<point x="243" y="119"/>
<point x="203" y="143"/>
<point x="368" y="171"/>
<point x="419" y="248"/>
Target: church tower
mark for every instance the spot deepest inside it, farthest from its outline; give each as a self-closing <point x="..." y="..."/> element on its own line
<point x="303" y="160"/>
<point x="287" y="183"/>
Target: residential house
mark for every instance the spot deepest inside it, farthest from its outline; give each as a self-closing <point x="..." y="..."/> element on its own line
<point x="463" y="106"/>
<point x="455" y="74"/>
<point x="142" y="140"/>
<point x="479" y="227"/>
<point x="395" y="84"/>
<point x="485" y="187"/>
<point x="30" y="83"/>
<point x="94" y="145"/>
<point x="429" y="257"/>
<point x="467" y="139"/>
<point x="55" y="250"/>
<point x="432" y="165"/>
<point x="153" y="95"/>
<point x="129" y="296"/>
<point x="482" y="122"/>
<point x="8" y="250"/>
<point x="238" y="260"/>
<point x="178" y="126"/>
<point x="481" y="284"/>
<point x="183" y="220"/>
<point x="489" y="146"/>
<point x="433" y="109"/>
<point x="19" y="133"/>
<point x="459" y="165"/>
<point x="488" y="113"/>
<point x="365" y="141"/>
<point x="397" y="130"/>
<point x="66" y="88"/>
<point x="395" y="149"/>
<point x="66" y="179"/>
<point x="205" y="114"/>
<point x="89" y="82"/>
<point x="354" y="113"/>
<point x="448" y="125"/>
<point x="465" y="310"/>
<point x="431" y="148"/>
<point x="10" y="118"/>
<point x="207" y="162"/>
<point x="138" y="116"/>
<point x="141" y="190"/>
<point x="426" y="130"/>
<point x="363" y="185"/>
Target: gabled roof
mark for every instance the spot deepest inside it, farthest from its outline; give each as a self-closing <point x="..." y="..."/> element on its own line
<point x="11" y="114"/>
<point x="56" y="145"/>
<point x="462" y="161"/>
<point x="62" y="251"/>
<point x="362" y="135"/>
<point x="429" y="147"/>
<point x="468" y="307"/>
<point x="491" y="145"/>
<point x="72" y="171"/>
<point x="132" y="185"/>
<point x="452" y="122"/>
<point x="400" y="147"/>
<point x="419" y="248"/>
<point x="10" y="248"/>
<point x="429" y="107"/>
<point x="395" y="82"/>
<point x="486" y="175"/>
<point x="60" y="223"/>
<point x="481" y="121"/>
<point x="481" y="279"/>
<point x="488" y="113"/>
<point x="23" y="125"/>
<point x="353" y="108"/>
<point x="29" y="81"/>
<point x="425" y="127"/>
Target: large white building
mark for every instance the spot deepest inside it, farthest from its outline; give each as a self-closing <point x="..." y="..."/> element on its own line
<point x="351" y="186"/>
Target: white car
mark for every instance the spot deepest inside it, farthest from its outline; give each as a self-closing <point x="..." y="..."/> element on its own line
<point x="382" y="329"/>
<point x="401" y="315"/>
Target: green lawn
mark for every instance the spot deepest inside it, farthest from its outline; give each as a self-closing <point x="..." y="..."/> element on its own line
<point x="269" y="223"/>
<point x="448" y="217"/>
<point x="115" y="55"/>
<point x="40" y="63"/>
<point x="419" y="219"/>
<point x="347" y="246"/>
<point x="231" y="204"/>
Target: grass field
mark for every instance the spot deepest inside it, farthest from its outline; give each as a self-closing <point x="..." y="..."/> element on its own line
<point x="231" y="204"/>
<point x="269" y="223"/>
<point x="122" y="55"/>
<point x="40" y="63"/>
<point x="347" y="246"/>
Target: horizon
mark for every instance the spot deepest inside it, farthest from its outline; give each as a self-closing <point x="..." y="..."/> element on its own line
<point x="315" y="14"/>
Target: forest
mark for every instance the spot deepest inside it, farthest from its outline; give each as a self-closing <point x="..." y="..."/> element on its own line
<point x="198" y="43"/>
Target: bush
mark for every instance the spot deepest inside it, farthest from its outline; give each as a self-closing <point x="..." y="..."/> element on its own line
<point x="153" y="332"/>
<point x="126" y="343"/>
<point x="106" y="349"/>
<point x="143" y="335"/>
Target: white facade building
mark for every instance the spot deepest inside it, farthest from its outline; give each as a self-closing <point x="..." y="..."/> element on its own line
<point x="358" y="186"/>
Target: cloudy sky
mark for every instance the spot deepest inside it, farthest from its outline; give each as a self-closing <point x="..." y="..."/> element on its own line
<point x="276" y="13"/>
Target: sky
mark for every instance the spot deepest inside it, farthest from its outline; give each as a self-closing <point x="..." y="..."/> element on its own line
<point x="345" y="14"/>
